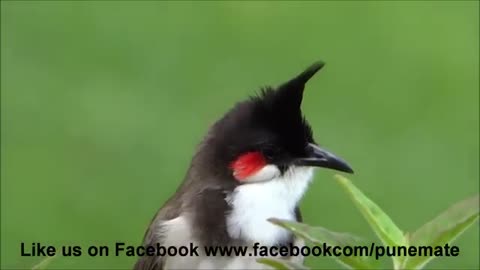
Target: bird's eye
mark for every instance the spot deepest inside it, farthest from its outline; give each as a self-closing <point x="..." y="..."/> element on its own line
<point x="269" y="153"/>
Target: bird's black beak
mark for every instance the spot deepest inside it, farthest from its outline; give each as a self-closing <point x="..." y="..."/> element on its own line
<point x="319" y="157"/>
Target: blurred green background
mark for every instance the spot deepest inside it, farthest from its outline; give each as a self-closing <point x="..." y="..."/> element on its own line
<point x="103" y="104"/>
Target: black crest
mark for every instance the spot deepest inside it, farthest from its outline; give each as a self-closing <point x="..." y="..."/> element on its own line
<point x="290" y="94"/>
<point x="271" y="122"/>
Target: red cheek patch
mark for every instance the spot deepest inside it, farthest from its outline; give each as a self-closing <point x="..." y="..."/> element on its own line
<point x="247" y="164"/>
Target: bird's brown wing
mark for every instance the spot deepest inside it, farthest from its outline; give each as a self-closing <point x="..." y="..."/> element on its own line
<point x="151" y="238"/>
<point x="155" y="234"/>
<point x="148" y="263"/>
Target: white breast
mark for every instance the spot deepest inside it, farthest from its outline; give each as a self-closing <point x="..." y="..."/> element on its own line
<point x="178" y="233"/>
<point x="253" y="203"/>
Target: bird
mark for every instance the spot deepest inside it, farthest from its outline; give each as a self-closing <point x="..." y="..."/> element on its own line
<point x="254" y="163"/>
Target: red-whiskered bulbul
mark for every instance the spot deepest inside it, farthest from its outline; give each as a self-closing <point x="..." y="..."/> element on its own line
<point x="254" y="163"/>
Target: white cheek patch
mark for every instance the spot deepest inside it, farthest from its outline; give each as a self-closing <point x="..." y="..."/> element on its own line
<point x="268" y="172"/>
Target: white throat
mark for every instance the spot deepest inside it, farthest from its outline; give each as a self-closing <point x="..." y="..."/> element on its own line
<point x="253" y="203"/>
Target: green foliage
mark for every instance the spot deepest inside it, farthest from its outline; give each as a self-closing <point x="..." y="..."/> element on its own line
<point x="43" y="263"/>
<point x="282" y="264"/>
<point x="442" y="230"/>
<point x="319" y="235"/>
<point x="381" y="223"/>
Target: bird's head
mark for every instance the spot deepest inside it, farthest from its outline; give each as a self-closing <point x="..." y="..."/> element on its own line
<point x="264" y="136"/>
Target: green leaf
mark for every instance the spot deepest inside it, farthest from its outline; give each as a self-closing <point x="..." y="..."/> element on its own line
<point x="281" y="264"/>
<point x="443" y="229"/>
<point x="320" y="236"/>
<point x="43" y="263"/>
<point x="382" y="224"/>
